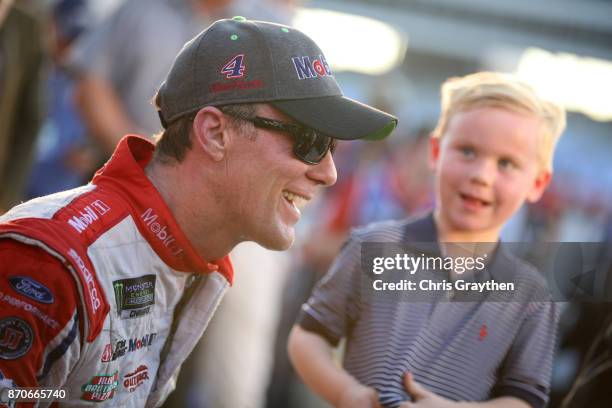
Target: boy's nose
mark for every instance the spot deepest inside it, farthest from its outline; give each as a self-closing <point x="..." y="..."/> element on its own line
<point x="482" y="172"/>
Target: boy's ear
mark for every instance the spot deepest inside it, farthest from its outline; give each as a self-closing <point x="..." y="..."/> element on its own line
<point x="434" y="151"/>
<point x="210" y="132"/>
<point x="540" y="184"/>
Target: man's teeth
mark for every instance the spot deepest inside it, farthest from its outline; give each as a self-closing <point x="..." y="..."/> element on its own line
<point x="297" y="200"/>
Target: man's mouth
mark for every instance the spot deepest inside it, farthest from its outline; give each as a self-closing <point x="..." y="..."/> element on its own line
<point x="297" y="200"/>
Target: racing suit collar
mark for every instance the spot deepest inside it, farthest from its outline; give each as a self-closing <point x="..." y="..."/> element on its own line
<point x="124" y="174"/>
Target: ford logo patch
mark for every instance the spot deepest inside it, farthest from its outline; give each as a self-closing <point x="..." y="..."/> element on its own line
<point x="32" y="289"/>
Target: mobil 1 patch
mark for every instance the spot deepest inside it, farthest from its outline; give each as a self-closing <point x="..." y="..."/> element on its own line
<point x="134" y="297"/>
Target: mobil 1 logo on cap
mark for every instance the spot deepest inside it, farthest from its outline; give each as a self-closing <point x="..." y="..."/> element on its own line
<point x="134" y="297"/>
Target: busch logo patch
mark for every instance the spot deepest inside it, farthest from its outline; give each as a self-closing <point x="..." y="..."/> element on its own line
<point x="16" y="338"/>
<point x="135" y="296"/>
<point x="133" y="380"/>
<point x="100" y="387"/>
<point x="307" y="68"/>
<point x="126" y="346"/>
<point x="88" y="215"/>
<point x="31" y="288"/>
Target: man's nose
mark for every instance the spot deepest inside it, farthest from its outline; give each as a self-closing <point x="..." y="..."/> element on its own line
<point x="325" y="172"/>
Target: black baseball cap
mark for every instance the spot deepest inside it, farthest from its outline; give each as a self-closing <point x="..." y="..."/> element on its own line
<point x="244" y="61"/>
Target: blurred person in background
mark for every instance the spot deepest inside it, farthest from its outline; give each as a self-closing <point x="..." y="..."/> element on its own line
<point x="122" y="61"/>
<point x="592" y="387"/>
<point x="64" y="155"/>
<point x="22" y="55"/>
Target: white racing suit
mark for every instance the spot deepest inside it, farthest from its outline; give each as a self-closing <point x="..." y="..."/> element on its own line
<point x="101" y="294"/>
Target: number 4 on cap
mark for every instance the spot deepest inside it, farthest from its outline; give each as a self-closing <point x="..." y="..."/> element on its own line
<point x="235" y="67"/>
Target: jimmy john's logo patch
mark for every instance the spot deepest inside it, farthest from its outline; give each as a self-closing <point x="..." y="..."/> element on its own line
<point x="134" y="297"/>
<point x="16" y="338"/>
<point x="100" y="387"/>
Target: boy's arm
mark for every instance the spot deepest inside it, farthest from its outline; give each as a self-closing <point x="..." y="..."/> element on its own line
<point x="423" y="398"/>
<point x="311" y="356"/>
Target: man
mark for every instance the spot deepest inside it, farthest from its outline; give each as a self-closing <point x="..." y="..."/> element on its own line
<point x="105" y="289"/>
<point x="22" y="57"/>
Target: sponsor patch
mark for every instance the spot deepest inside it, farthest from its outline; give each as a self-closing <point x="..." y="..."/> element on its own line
<point x="88" y="215"/>
<point x="123" y="346"/>
<point x="89" y="279"/>
<point x="242" y="85"/>
<point x="133" y="380"/>
<point x="30" y="288"/>
<point x="15" y="338"/>
<point x="152" y="221"/>
<point x="22" y="304"/>
<point x="134" y="297"/>
<point x="100" y="387"/>
<point x="307" y="68"/>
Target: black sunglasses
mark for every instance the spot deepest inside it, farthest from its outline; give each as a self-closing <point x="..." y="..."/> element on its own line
<point x="310" y="145"/>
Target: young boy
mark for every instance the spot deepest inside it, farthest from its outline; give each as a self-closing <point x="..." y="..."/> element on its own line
<point x="491" y="151"/>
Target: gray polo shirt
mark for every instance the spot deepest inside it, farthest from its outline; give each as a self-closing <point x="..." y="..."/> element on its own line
<point x="463" y="351"/>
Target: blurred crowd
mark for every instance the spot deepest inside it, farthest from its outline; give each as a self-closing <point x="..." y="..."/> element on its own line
<point x="76" y="75"/>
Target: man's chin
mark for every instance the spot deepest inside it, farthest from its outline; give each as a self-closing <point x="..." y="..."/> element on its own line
<point x="278" y="242"/>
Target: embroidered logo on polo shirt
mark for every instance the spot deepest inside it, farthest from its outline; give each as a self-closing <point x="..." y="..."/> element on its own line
<point x="100" y="387"/>
<point x="134" y="296"/>
<point x="483" y="332"/>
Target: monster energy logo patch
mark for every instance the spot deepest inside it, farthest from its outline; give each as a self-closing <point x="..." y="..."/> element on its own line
<point x="135" y="296"/>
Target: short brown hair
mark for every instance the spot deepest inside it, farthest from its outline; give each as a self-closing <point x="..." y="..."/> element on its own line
<point x="506" y="91"/>
<point x="173" y="143"/>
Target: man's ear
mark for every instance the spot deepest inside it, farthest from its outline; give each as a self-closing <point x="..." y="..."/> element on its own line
<point x="434" y="151"/>
<point x="210" y="127"/>
<point x="540" y="184"/>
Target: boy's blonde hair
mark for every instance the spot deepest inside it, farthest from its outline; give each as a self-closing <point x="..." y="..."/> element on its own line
<point x="492" y="89"/>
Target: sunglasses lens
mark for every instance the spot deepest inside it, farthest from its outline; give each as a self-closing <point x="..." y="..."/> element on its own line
<point x="312" y="146"/>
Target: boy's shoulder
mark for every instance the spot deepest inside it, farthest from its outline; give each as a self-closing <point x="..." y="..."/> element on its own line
<point x="417" y="228"/>
<point x="510" y="267"/>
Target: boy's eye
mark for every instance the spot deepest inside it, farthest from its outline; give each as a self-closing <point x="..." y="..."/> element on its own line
<point x="506" y="164"/>
<point x="467" y="152"/>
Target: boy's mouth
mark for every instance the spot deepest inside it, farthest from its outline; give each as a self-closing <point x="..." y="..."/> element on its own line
<point x="473" y="201"/>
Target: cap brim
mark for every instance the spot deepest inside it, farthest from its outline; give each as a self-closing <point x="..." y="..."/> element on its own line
<point x="339" y="117"/>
